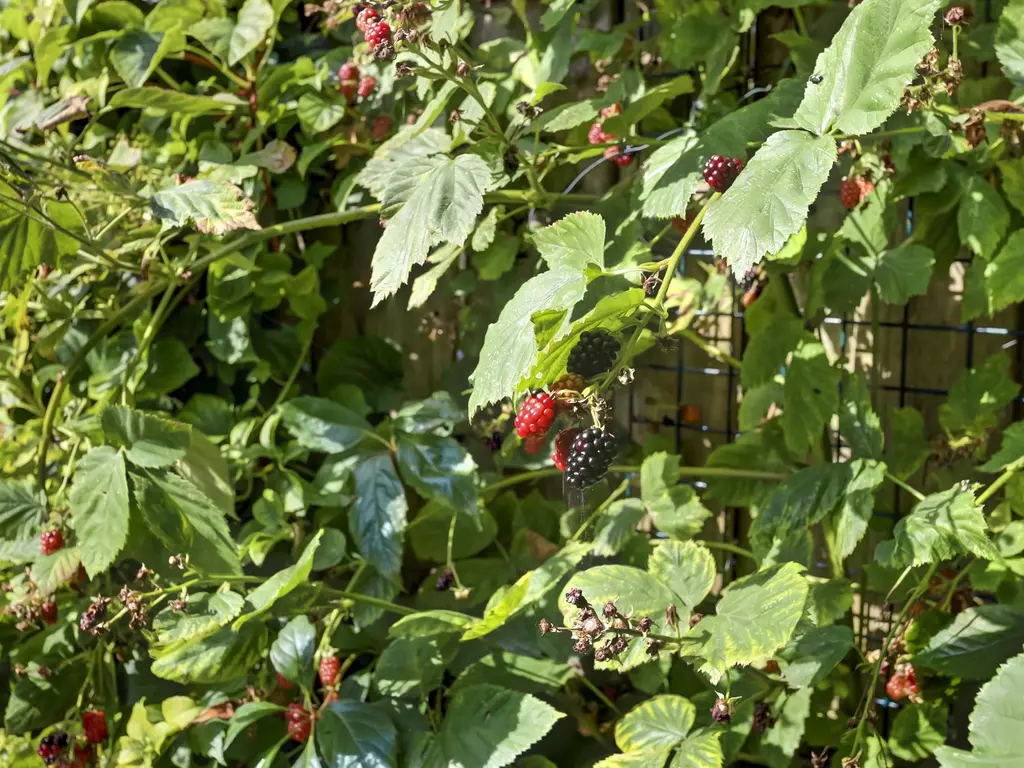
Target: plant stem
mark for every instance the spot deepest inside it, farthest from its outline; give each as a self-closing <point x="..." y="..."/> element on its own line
<point x="62" y="380"/>
<point x="695" y="472"/>
<point x="677" y="254"/>
<point x="905" y="486"/>
<point x="710" y="349"/>
<point x="600" y="508"/>
<point x="356" y="597"/>
<point x="725" y="546"/>
<point x="293" y="375"/>
<point x="1000" y="481"/>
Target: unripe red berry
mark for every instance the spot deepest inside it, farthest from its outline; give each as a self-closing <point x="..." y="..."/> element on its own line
<point x="378" y="33"/>
<point x="49" y="612"/>
<point x="367" y="86"/>
<point x="94" y="724"/>
<point x="611" y="111"/>
<point x="853" y="191"/>
<point x="563" y="444"/>
<point x="618" y="157"/>
<point x="300" y="722"/>
<point x="380" y="127"/>
<point x="51" y="541"/>
<point x="283" y="682"/>
<point x="328" y="671"/>
<point x="720" y="172"/>
<point x="366" y="17"/>
<point x="536" y="415"/>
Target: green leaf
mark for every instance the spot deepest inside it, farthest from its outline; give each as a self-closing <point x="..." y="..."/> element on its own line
<point x="510" y="344"/>
<point x="137" y="54"/>
<point x="22" y="509"/>
<point x="53" y="571"/>
<point x="872" y="58"/>
<point x="768" y="350"/>
<point x="907" y="447"/>
<point x="780" y="743"/>
<point x="902" y="272"/>
<point x="323" y="425"/>
<point x="810" y="398"/>
<point x="377" y="521"/>
<point x="255" y="19"/>
<point x="352" y="734"/>
<point x="186" y="521"/>
<point x="37" y="702"/>
<point x="942" y="526"/>
<point x="1004" y="275"/>
<point x="982" y="218"/>
<point x="997" y="723"/>
<point x="976" y="643"/>
<point x="203" y="614"/>
<point x="292" y="652"/>
<point x="442" y="198"/>
<point x="638" y="109"/>
<point x="768" y="203"/>
<point x="685" y="567"/>
<point x="977" y="396"/>
<point x="657" y="724"/>
<point x="566" y="116"/>
<point x="701" y="750"/>
<point x="858" y="422"/>
<point x="918" y="730"/>
<point x="222" y="656"/>
<point x="25" y="243"/>
<point x="738" y="635"/>
<point x="318" y="113"/>
<point x="439" y="468"/>
<point x="262" y="599"/>
<point x="851" y="521"/>
<point x="414" y="667"/>
<point x="618" y="526"/>
<point x="429" y="624"/>
<point x="246" y="715"/>
<point x="488" y="727"/>
<point x="428" y="532"/>
<point x="573" y="242"/>
<point x="172" y="101"/>
<point x="529" y="589"/>
<point x="214" y="207"/>
<point x="676" y="509"/>
<point x="810" y="658"/>
<point x="674" y="171"/>
<point x="1009" y="43"/>
<point x="99" y="506"/>
<point x="1010" y="453"/>
<point x="149" y="441"/>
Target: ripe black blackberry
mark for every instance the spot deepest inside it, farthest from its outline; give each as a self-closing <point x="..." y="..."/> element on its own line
<point x="593" y="354"/>
<point x="590" y="457"/>
<point x="720" y="172"/>
<point x="51" y="746"/>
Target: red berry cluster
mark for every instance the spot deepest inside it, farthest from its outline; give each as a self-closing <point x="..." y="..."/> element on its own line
<point x="374" y="30"/>
<point x="94" y="725"/>
<point x="597" y="135"/>
<point x="902" y="684"/>
<point x="51" y="541"/>
<point x="300" y="722"/>
<point x="563" y="445"/>
<point x="720" y="172"/>
<point x="351" y="85"/>
<point x="328" y="671"/>
<point x="51" y="747"/>
<point x="853" y="191"/>
<point x="536" y="415"/>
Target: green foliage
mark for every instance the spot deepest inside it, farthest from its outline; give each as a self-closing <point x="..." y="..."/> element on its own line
<point x="247" y="309"/>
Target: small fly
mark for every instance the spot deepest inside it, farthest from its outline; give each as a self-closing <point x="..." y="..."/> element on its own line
<point x="816" y="78"/>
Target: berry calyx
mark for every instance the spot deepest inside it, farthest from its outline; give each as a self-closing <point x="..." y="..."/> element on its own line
<point x="720" y="172"/>
<point x="591" y="455"/>
<point x="49" y="612"/>
<point x="51" y="541"/>
<point x="328" y="671"/>
<point x="377" y="33"/>
<point x="366" y="17"/>
<point x="300" y="722"/>
<point x="563" y="444"/>
<point x="94" y="725"/>
<point x="367" y="86"/>
<point x="594" y="353"/>
<point x="853" y="191"/>
<point x="618" y="157"/>
<point x="536" y="415"/>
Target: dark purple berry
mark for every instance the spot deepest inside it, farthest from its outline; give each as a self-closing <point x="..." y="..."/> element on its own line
<point x="445" y="579"/>
<point x="594" y="353"/>
<point x="720" y="172"/>
<point x="591" y="456"/>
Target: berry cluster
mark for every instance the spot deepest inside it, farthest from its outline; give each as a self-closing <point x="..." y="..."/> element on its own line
<point x="597" y="135"/>
<point x="536" y="415"/>
<point x="720" y="172"/>
<point x="594" y="354"/>
<point x="94" y="725"/>
<point x="590" y="457"/>
<point x="51" y="746"/>
<point x="903" y="684"/>
<point x="351" y="85"/>
<point x="328" y="670"/>
<point x="51" y="541"/>
<point x="588" y="628"/>
<point x="300" y="722"/>
<point x="377" y="33"/>
<point x="853" y="191"/>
